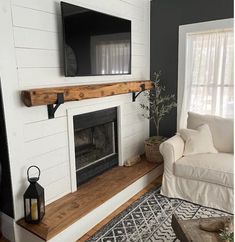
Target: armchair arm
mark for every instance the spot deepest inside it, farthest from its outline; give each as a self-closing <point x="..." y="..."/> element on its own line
<point x="171" y="150"/>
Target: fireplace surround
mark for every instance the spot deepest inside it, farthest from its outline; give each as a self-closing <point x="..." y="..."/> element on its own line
<point x="95" y="143"/>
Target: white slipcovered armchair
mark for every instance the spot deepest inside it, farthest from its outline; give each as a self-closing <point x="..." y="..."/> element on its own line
<point x="207" y="178"/>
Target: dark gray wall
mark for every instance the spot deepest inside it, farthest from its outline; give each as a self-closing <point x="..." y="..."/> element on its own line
<point x="166" y="16"/>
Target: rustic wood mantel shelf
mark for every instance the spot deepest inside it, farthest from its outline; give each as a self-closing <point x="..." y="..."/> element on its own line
<point x="45" y="96"/>
<point x="54" y="96"/>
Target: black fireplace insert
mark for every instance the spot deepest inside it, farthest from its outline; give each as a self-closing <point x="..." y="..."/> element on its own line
<point x="96" y="143"/>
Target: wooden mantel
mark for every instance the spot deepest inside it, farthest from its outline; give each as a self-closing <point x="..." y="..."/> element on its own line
<point x="48" y="96"/>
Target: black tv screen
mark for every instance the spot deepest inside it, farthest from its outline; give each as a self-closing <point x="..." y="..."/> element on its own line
<point x="95" y="43"/>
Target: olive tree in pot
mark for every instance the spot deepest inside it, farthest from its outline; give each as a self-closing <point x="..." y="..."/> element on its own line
<point x="159" y="105"/>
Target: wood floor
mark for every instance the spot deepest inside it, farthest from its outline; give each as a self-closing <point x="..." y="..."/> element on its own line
<point x="67" y="210"/>
<point x="155" y="183"/>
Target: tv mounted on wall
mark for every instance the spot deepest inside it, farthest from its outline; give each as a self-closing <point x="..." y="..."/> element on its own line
<point x="95" y="43"/>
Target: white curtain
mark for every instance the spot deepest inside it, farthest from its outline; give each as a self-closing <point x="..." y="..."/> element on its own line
<point x="209" y="77"/>
<point x="112" y="57"/>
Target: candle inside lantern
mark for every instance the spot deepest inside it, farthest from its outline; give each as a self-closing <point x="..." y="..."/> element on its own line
<point x="34" y="209"/>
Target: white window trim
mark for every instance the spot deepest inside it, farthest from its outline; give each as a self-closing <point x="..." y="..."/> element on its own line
<point x="184" y="30"/>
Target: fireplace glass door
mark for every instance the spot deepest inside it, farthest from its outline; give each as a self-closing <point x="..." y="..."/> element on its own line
<point x="94" y="144"/>
<point x="95" y="141"/>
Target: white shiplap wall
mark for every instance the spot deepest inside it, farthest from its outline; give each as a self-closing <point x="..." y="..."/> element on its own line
<point x="31" y="57"/>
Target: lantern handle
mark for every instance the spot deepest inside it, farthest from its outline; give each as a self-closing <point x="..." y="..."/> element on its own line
<point x="39" y="172"/>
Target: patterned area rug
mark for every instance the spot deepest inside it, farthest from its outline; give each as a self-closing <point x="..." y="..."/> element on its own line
<point x="149" y="219"/>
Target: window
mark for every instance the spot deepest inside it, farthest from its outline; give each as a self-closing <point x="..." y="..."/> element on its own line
<point x="208" y="78"/>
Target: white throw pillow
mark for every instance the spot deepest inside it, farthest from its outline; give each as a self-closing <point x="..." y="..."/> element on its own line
<point x="221" y="130"/>
<point x="198" y="141"/>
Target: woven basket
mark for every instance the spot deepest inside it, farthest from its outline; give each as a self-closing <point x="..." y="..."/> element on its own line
<point x="152" y="151"/>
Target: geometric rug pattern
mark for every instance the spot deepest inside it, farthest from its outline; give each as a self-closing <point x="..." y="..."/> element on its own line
<point x="149" y="219"/>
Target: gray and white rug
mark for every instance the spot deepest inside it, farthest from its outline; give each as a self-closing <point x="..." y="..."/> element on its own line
<point x="149" y="219"/>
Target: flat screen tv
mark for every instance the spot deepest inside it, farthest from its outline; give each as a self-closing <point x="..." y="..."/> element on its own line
<point x="95" y="43"/>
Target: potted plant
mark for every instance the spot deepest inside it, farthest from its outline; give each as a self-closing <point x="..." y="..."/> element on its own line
<point x="159" y="105"/>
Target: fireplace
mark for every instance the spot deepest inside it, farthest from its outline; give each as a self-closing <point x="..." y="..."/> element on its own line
<point x="96" y="143"/>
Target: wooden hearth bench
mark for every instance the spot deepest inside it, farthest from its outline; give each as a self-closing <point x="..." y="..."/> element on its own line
<point x="76" y="213"/>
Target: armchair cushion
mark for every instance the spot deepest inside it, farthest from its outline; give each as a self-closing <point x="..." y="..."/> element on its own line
<point x="212" y="168"/>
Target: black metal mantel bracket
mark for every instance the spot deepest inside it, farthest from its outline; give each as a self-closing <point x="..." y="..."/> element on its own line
<point x="51" y="108"/>
<point x="134" y="95"/>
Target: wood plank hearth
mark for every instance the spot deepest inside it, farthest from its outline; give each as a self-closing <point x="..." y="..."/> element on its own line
<point x="67" y="210"/>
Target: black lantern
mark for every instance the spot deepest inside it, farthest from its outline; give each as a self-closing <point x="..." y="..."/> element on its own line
<point x="34" y="203"/>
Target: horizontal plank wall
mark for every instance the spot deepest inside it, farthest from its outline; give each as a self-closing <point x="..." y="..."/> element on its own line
<point x="31" y="57"/>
